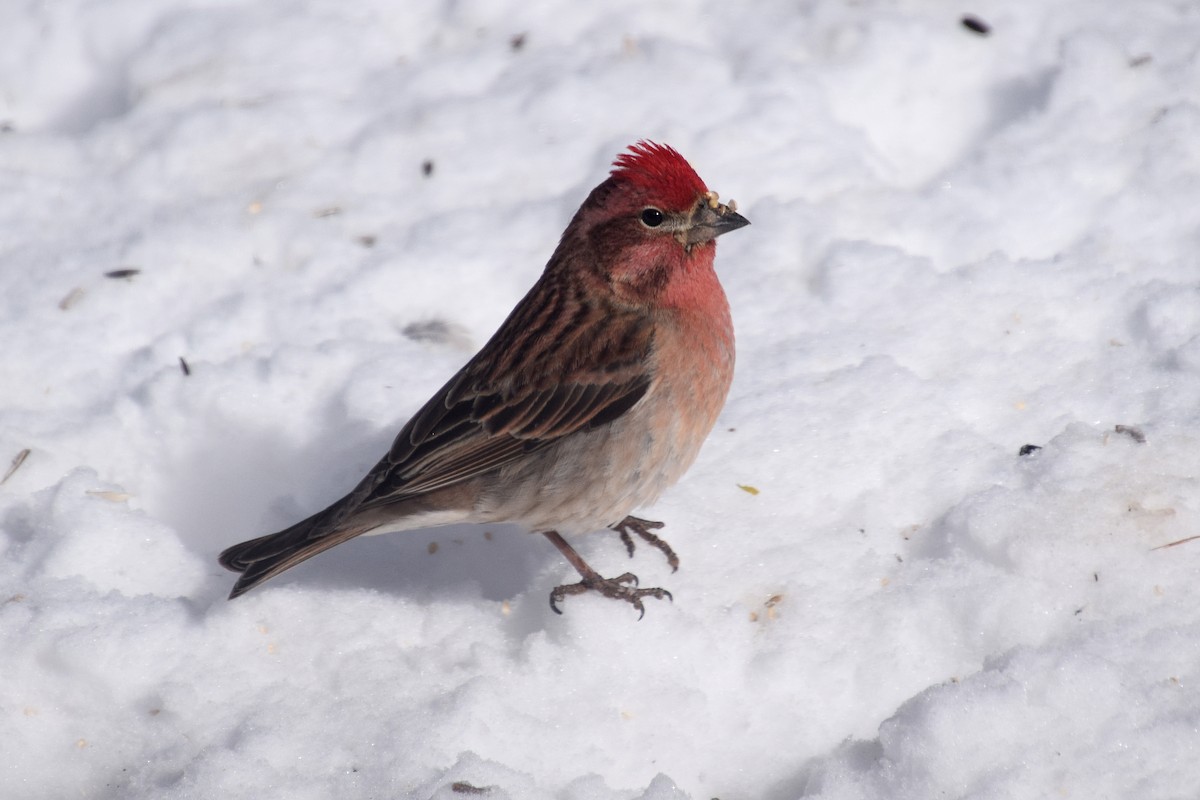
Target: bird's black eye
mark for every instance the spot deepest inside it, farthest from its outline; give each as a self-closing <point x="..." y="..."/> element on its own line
<point x="652" y="217"/>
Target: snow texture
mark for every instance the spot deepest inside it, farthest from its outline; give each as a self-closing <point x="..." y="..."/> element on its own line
<point x="963" y="242"/>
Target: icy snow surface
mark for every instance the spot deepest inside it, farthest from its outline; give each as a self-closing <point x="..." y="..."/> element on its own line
<point x="961" y="244"/>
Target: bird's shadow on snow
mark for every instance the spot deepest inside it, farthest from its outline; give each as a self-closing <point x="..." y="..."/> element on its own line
<point x="236" y="482"/>
<point x="493" y="562"/>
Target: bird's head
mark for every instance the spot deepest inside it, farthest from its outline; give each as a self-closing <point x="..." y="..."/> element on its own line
<point x="671" y="199"/>
<point x="653" y="223"/>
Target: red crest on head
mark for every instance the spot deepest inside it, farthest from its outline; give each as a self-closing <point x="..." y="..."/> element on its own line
<point x="664" y="174"/>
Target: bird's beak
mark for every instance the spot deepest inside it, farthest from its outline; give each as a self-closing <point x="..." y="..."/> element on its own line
<point x="709" y="222"/>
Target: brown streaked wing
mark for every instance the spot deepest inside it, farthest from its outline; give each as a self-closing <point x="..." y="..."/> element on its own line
<point x="478" y="421"/>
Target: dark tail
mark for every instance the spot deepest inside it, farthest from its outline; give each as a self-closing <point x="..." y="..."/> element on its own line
<point x="265" y="557"/>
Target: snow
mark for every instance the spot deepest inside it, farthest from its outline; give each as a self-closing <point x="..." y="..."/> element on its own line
<point x="961" y="244"/>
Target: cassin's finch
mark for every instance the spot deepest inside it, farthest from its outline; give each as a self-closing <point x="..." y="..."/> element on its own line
<point x="592" y="398"/>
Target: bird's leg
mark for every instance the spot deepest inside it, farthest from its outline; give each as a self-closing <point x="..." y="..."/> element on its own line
<point x="618" y="588"/>
<point x="642" y="528"/>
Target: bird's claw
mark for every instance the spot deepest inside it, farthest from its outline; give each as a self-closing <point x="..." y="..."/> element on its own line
<point x="623" y="587"/>
<point x="642" y="528"/>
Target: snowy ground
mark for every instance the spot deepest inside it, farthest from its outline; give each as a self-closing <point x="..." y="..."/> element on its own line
<point x="962" y="244"/>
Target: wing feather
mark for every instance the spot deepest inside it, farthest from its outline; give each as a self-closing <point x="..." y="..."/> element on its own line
<point x="496" y="410"/>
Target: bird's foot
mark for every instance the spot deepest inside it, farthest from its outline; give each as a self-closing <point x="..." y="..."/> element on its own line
<point x="642" y="528"/>
<point x="623" y="587"/>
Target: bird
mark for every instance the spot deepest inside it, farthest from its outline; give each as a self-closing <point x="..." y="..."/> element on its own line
<point x="594" y="395"/>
